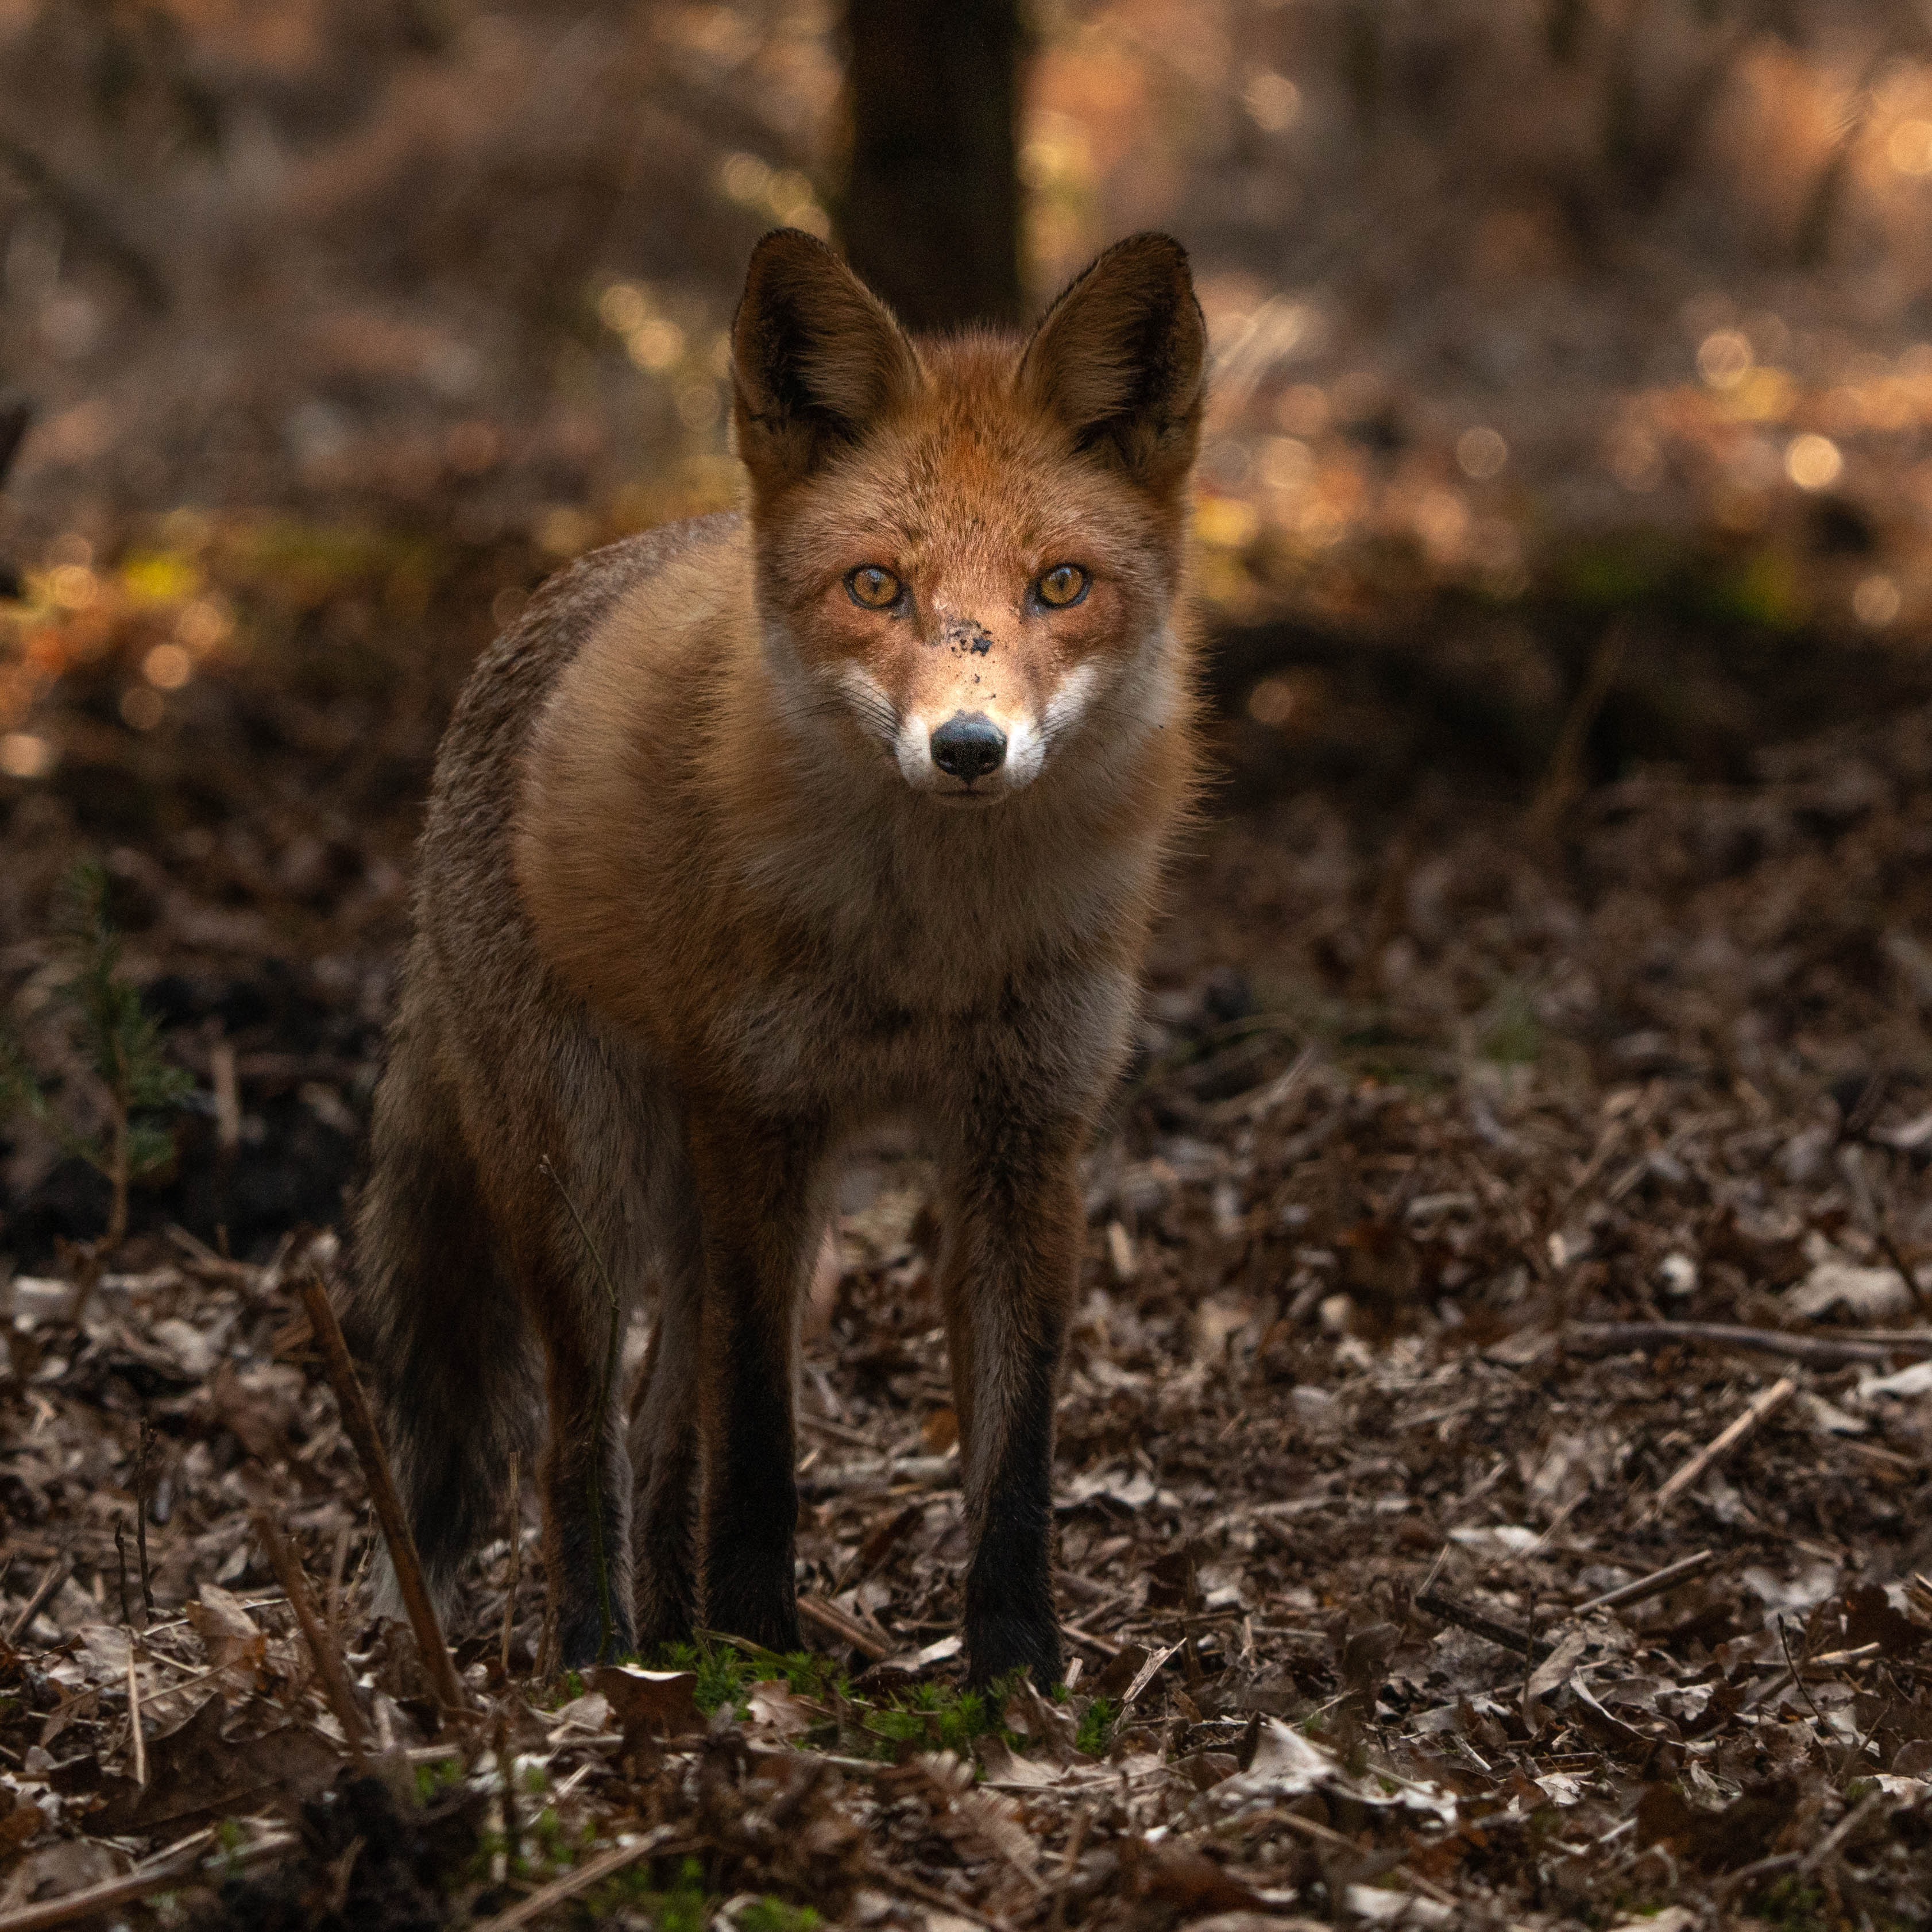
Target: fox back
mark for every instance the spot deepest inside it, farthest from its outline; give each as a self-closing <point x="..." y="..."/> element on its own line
<point x="754" y="834"/>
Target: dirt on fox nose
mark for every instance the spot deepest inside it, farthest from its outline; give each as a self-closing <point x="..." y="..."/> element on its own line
<point x="964" y="636"/>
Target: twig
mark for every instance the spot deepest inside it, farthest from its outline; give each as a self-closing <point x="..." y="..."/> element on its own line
<point x="1563" y="778"/>
<point x="516" y="1553"/>
<point x="1106" y="1645"/>
<point x="93" y="1265"/>
<point x="506" y="1776"/>
<point x="580" y="1879"/>
<point x="1842" y="1830"/>
<point x="206" y="1261"/>
<point x="1450" y="1612"/>
<point x="227" y="1099"/>
<point x="52" y="1578"/>
<point x="1818" y="1351"/>
<point x="120" y="1558"/>
<point x="134" y="1737"/>
<point x="361" y="1428"/>
<point x="828" y="1618"/>
<point x="606" y="1625"/>
<point x="1761" y="1404"/>
<point x="329" y="1665"/>
<point x="1645" y="1587"/>
<point x="1855" y="1749"/>
<point x="332" y="1615"/>
<point x="94" y="1899"/>
<point x="1392" y="1860"/>
<point x="147" y="1441"/>
<point x="1746" y="1875"/>
<point x="1151" y="1666"/>
<point x="1798" y="1677"/>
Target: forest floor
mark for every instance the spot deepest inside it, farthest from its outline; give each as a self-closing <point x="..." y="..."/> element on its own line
<point x="1492" y="1468"/>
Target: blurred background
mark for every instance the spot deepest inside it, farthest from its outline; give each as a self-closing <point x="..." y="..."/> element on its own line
<point x="1573" y="380"/>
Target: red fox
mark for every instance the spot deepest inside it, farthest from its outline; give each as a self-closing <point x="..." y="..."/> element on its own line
<point x="755" y="832"/>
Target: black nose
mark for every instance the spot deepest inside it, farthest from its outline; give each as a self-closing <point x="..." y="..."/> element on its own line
<point x="969" y="745"/>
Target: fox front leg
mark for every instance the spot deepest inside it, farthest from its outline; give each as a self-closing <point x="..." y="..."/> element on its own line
<point x="761" y="1225"/>
<point x="1007" y="1280"/>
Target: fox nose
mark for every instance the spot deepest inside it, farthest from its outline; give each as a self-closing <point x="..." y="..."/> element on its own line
<point x="968" y="745"/>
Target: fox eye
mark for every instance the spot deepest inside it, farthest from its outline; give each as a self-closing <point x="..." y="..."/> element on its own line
<point x="873" y="585"/>
<point x="1065" y="583"/>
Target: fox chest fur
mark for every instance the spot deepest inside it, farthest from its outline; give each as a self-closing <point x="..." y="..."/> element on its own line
<point x="769" y="920"/>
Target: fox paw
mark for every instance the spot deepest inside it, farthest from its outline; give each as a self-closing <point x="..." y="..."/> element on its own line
<point x="996" y="1645"/>
<point x="583" y="1642"/>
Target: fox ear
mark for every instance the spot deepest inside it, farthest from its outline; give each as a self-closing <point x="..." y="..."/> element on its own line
<point x="1120" y="357"/>
<point x="816" y="358"/>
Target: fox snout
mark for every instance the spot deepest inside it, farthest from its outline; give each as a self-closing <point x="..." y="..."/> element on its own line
<point x="962" y="756"/>
<point x="969" y="746"/>
<point x="956" y="750"/>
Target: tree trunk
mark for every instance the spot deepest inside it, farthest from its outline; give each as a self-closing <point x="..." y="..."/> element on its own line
<point x="930" y="212"/>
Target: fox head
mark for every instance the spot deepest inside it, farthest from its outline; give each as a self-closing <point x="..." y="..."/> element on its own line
<point x="968" y="549"/>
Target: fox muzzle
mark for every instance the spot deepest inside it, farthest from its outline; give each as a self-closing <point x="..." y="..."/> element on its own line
<point x="969" y="746"/>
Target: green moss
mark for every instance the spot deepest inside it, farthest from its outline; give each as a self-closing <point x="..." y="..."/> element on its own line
<point x="1097" y="1726"/>
<point x="774" y="1915"/>
<point x="684" y="1906"/>
<point x="1792" y="1906"/>
<point x="1512" y="1035"/>
<point x="942" y="1717"/>
<point x="725" y="1673"/>
<point x="437" y="1775"/>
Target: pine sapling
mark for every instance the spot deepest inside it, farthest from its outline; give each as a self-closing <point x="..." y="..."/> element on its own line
<point x="121" y="1046"/>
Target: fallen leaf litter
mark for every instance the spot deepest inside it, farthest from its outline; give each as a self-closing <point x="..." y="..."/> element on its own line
<point x="1491" y="1474"/>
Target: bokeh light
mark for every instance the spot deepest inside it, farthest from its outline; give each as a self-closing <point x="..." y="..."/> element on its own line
<point x="1481" y="453"/>
<point x="1813" y="462"/>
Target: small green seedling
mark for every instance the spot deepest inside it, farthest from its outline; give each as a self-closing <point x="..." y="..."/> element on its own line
<point x="121" y="1045"/>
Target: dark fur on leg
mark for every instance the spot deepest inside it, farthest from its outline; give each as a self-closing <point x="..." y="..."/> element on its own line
<point x="755" y="1188"/>
<point x="1006" y="1282"/>
<point x="664" y="1458"/>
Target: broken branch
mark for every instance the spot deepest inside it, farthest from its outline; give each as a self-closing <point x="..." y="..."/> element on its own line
<point x="582" y="1879"/>
<point x="329" y="1665"/>
<point x="135" y="1740"/>
<point x="360" y="1426"/>
<point x="1818" y="1351"/>
<point x="169" y="1873"/>
<point x="1450" y="1612"/>
<point x="52" y="1578"/>
<point x="1761" y="1404"/>
<point x="1657" y="1582"/>
<point x="848" y="1629"/>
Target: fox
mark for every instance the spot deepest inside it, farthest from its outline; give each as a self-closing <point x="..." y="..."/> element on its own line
<point x="753" y="835"/>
